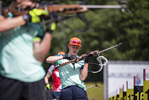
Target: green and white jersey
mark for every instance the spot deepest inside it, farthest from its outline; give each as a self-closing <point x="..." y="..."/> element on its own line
<point x="16" y="54"/>
<point x="70" y="74"/>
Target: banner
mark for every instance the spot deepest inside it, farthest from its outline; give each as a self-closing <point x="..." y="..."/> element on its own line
<point x="117" y="73"/>
<point x="122" y="96"/>
<point x="138" y="92"/>
<point x="146" y="90"/>
<point x="129" y="94"/>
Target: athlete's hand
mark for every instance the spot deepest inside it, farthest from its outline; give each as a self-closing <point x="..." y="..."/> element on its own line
<point x="68" y="57"/>
<point x="89" y="57"/>
<point x="35" y="15"/>
<point x="96" y="53"/>
<point x="48" y="86"/>
<point x="50" y="27"/>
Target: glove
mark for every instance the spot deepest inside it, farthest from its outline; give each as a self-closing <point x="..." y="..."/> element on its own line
<point x="68" y="57"/>
<point x="51" y="27"/>
<point x="35" y="15"/>
<point x="96" y="53"/>
<point x="48" y="86"/>
<point x="89" y="57"/>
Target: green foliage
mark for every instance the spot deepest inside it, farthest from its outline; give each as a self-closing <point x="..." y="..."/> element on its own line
<point x="135" y="32"/>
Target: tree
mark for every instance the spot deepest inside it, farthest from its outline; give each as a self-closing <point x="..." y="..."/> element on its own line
<point x="134" y="30"/>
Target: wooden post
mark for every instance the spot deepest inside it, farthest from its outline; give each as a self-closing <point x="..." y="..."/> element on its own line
<point x="126" y="85"/>
<point x="134" y="80"/>
<point x="144" y="74"/>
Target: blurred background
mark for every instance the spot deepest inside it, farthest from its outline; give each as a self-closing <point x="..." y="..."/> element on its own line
<point x="105" y="28"/>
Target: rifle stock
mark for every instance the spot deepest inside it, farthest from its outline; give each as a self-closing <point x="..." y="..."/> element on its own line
<point x="68" y="9"/>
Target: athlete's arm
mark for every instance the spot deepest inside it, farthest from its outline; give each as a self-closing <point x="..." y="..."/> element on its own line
<point x="49" y="74"/>
<point x="53" y="59"/>
<point x="10" y="23"/>
<point x="1" y="17"/>
<point x="84" y="72"/>
<point x="41" y="48"/>
<point x="46" y="78"/>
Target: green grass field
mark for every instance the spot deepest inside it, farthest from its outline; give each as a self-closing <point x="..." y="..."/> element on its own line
<point x="95" y="93"/>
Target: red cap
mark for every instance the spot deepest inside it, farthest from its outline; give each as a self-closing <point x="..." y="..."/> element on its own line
<point x="62" y="53"/>
<point x="75" y="41"/>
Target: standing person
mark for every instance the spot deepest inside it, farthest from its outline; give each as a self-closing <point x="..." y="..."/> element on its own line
<point x="56" y="79"/>
<point x="71" y="75"/>
<point x="22" y="54"/>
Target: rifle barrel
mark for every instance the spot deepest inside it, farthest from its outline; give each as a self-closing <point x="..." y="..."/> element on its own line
<point x="111" y="47"/>
<point x="104" y="6"/>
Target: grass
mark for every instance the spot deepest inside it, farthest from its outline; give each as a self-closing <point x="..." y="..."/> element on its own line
<point x="95" y="93"/>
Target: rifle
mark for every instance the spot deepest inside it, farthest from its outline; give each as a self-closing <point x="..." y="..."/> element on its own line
<point x="67" y="9"/>
<point x="83" y="57"/>
<point x="96" y="85"/>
